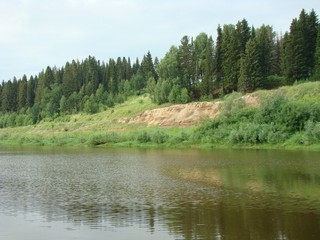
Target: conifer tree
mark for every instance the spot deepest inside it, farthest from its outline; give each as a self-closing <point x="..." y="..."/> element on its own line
<point x="218" y="56"/>
<point x="310" y="40"/>
<point x="251" y="68"/>
<point x="128" y="70"/>
<point x="7" y="97"/>
<point x="135" y="67"/>
<point x="244" y="34"/>
<point x="147" y="67"/>
<point x="1" y="87"/>
<point x="185" y="63"/>
<point x="113" y="81"/>
<point x="70" y="79"/>
<point x="22" y="92"/>
<point x="276" y="58"/>
<point x="14" y="94"/>
<point x="300" y="45"/>
<point x="231" y="58"/>
<point x="30" y="92"/>
<point x="207" y="83"/>
<point x="317" y="58"/>
<point x="265" y="41"/>
<point x="119" y="70"/>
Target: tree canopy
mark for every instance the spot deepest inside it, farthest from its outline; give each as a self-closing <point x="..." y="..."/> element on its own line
<point x="241" y="58"/>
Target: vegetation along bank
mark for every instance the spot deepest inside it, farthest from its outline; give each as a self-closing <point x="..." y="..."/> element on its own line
<point x="225" y="82"/>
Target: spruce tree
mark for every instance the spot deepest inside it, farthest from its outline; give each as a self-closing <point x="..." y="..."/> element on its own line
<point x="22" y="92"/>
<point x="128" y="70"/>
<point x="231" y="58"/>
<point x="135" y="67"/>
<point x="244" y="34"/>
<point x="70" y="79"/>
<point x="317" y="58"/>
<point x="311" y="40"/>
<point x="251" y="69"/>
<point x="265" y="41"/>
<point x="7" y="97"/>
<point x="218" y="57"/>
<point x="185" y="63"/>
<point x="276" y="58"/>
<point x="1" y="87"/>
<point x="147" y="67"/>
<point x="113" y="81"/>
<point x="119" y="70"/>
<point x="30" y="92"/>
<point x="300" y="47"/>
<point x="207" y="82"/>
<point x="14" y="94"/>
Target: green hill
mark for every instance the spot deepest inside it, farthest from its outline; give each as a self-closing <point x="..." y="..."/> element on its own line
<point x="285" y="117"/>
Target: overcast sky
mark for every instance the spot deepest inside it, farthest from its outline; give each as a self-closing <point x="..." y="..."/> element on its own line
<point x="38" y="33"/>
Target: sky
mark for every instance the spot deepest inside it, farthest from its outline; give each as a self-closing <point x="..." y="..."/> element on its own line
<point x="35" y="34"/>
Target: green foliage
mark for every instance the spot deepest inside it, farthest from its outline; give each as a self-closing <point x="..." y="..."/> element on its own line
<point x="143" y="137"/>
<point x="288" y="115"/>
<point x="272" y="81"/>
<point x="207" y="82"/>
<point x="317" y="58"/>
<point x="104" y="138"/>
<point x="168" y="66"/>
<point x="278" y="120"/>
<point x="147" y="67"/>
<point x="299" y="46"/>
<point x="250" y="71"/>
<point x="91" y="106"/>
<point x="231" y="58"/>
<point x="242" y="59"/>
<point x="162" y="91"/>
<point x="232" y="103"/>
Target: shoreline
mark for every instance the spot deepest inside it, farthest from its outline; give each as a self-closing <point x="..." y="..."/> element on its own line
<point x="82" y="140"/>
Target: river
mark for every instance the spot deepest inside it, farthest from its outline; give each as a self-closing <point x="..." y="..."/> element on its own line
<point x="158" y="194"/>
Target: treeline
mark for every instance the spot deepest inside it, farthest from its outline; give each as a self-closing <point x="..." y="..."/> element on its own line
<point x="243" y="59"/>
<point x="88" y="86"/>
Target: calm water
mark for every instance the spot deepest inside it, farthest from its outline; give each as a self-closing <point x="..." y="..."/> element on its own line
<point x="159" y="194"/>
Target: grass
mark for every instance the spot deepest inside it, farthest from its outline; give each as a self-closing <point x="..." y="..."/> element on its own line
<point x="104" y="128"/>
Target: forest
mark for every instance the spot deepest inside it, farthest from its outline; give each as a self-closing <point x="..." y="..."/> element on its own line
<point x="241" y="59"/>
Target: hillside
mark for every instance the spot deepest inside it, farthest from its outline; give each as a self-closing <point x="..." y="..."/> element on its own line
<point x="139" y="121"/>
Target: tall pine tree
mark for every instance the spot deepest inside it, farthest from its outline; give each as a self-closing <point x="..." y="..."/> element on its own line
<point x="251" y="68"/>
<point x="22" y="92"/>
<point x="207" y="82"/>
<point x="231" y="58"/>
<point x="218" y="57"/>
<point x="317" y="58"/>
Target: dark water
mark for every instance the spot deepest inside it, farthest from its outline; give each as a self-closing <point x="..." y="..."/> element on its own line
<point x="159" y="194"/>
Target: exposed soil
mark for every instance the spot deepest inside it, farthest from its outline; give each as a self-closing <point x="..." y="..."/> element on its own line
<point x="183" y="115"/>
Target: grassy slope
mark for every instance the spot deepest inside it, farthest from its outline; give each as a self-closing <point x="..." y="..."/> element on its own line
<point x="79" y="129"/>
<point x="104" y="128"/>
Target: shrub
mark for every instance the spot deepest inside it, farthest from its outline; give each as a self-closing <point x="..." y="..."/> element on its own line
<point x="159" y="137"/>
<point x="311" y="133"/>
<point x="143" y="137"/>
<point x="100" y="139"/>
<point x="232" y="103"/>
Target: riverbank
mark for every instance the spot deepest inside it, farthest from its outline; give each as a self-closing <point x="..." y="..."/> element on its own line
<point x="284" y="118"/>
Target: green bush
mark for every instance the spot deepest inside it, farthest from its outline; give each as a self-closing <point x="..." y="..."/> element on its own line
<point x="232" y="103"/>
<point x="100" y="139"/>
<point x="311" y="133"/>
<point x="143" y="137"/>
<point x="159" y="137"/>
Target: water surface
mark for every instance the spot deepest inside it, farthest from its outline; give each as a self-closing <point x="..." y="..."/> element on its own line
<point x="159" y="194"/>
